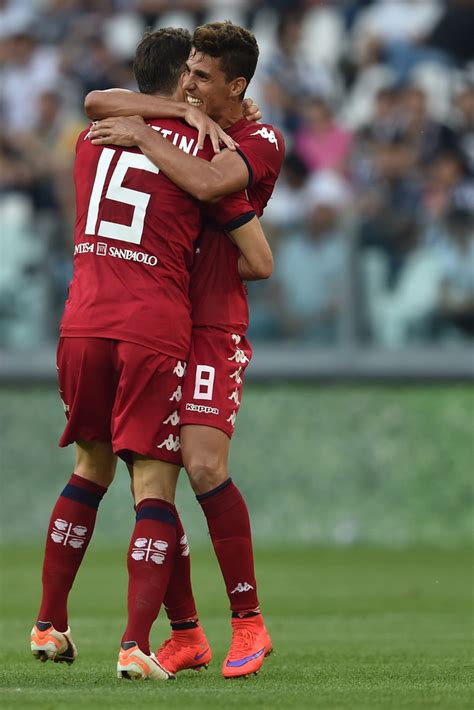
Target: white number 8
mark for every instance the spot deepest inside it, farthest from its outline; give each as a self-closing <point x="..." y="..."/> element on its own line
<point x="204" y="384"/>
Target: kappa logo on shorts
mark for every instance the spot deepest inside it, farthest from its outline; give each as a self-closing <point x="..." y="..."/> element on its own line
<point x="201" y="408"/>
<point x="235" y="397"/>
<point x="171" y="443"/>
<point x="236" y="376"/>
<point x="177" y="394"/>
<point x="180" y="369"/>
<point x="64" y="533"/>
<point x="144" y="549"/>
<point x="232" y="418"/>
<point x="239" y="356"/>
<point x="173" y="418"/>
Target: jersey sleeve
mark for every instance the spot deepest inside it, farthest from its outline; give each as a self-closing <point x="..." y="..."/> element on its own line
<point x="263" y="152"/>
<point x="231" y="212"/>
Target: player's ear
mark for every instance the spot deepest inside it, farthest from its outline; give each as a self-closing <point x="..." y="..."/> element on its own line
<point x="238" y="86"/>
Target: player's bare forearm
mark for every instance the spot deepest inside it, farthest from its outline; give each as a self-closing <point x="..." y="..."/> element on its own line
<point x="205" y="181"/>
<point x="255" y="260"/>
<point x="119" y="102"/>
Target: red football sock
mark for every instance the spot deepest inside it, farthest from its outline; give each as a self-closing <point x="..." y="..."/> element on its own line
<point x="150" y="562"/>
<point x="69" y="533"/>
<point x="179" y="599"/>
<point x="229" y="527"/>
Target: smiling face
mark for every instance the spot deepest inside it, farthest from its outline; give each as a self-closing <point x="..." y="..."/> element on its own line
<point x="205" y="85"/>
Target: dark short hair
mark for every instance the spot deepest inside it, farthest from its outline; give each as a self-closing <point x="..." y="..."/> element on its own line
<point x="160" y="60"/>
<point x="235" y="46"/>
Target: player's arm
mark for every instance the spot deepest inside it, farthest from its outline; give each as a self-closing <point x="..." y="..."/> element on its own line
<point x="206" y="181"/>
<point x="122" y="103"/>
<point x="255" y="259"/>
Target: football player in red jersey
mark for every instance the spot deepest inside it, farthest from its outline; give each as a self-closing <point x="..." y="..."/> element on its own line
<point x="125" y="338"/>
<point x="220" y="66"/>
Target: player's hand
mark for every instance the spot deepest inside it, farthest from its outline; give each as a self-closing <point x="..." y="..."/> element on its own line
<point x="207" y="127"/>
<point x="122" y="130"/>
<point x="251" y="110"/>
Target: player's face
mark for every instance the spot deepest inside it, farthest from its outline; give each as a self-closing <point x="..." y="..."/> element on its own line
<point x="205" y="85"/>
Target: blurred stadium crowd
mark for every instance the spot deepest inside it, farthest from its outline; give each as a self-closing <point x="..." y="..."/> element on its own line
<point x="372" y="220"/>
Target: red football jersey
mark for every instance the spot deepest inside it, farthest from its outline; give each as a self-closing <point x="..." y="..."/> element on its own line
<point x="218" y="295"/>
<point x="133" y="245"/>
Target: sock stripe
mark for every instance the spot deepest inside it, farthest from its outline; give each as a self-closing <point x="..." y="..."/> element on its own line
<point x="161" y="514"/>
<point x="214" y="491"/>
<point x="81" y="495"/>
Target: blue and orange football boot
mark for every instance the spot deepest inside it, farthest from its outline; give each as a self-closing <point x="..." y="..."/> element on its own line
<point x="250" y="645"/>
<point x="185" y="650"/>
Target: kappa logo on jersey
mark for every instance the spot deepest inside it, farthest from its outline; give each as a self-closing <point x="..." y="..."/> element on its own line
<point x="245" y="587"/>
<point x="145" y="549"/>
<point x="173" y="418"/>
<point x="171" y="443"/>
<point x="64" y="533"/>
<point x="268" y="135"/>
<point x="177" y="394"/>
<point x="180" y="369"/>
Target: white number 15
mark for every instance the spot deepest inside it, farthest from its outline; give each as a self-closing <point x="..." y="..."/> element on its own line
<point x="115" y="191"/>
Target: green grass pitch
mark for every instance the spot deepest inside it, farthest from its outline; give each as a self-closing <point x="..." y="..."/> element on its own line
<point x="354" y="628"/>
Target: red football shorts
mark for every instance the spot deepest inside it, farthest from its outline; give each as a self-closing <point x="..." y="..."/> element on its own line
<point x="213" y="384"/>
<point x="121" y="392"/>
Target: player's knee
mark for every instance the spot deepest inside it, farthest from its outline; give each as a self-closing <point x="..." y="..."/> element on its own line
<point x="205" y="472"/>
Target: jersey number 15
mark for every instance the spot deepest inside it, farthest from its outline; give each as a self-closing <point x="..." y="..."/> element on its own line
<point x="139" y="200"/>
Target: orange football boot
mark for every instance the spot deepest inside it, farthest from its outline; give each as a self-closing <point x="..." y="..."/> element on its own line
<point x="250" y="645"/>
<point x="47" y="644"/>
<point x="133" y="664"/>
<point x="187" y="649"/>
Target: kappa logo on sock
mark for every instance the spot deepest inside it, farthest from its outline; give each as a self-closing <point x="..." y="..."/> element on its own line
<point x="245" y="587"/>
<point x="184" y="546"/>
<point x="144" y="548"/>
<point x="64" y="533"/>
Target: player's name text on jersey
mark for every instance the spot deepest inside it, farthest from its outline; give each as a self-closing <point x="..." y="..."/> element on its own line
<point x="102" y="249"/>
<point x="201" y="408"/>
<point x="188" y="145"/>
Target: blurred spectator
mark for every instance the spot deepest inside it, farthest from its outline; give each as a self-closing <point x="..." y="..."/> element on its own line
<point x="321" y="142"/>
<point x="464" y="103"/>
<point x="426" y="136"/>
<point x="447" y="186"/>
<point x="286" y="210"/>
<point x="453" y="32"/>
<point x="31" y="69"/>
<point x="288" y="77"/>
<point x="312" y="266"/>
<point x="454" y="312"/>
<point x="388" y="202"/>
